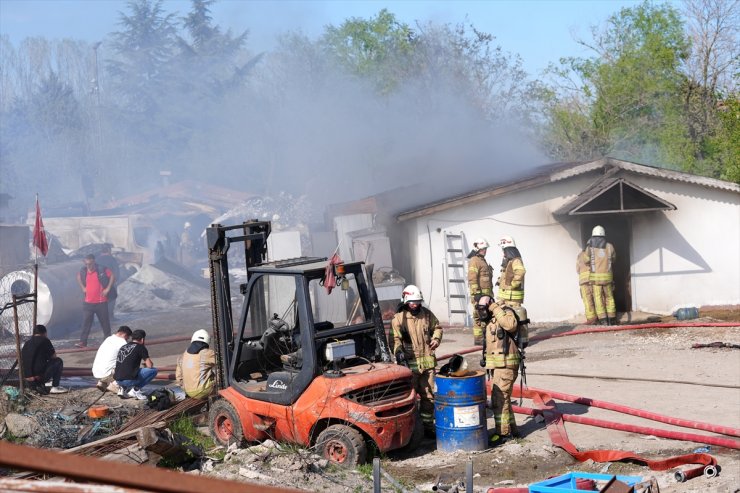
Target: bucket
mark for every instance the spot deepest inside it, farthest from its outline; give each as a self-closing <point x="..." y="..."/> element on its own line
<point x="460" y="412"/>
<point x="689" y="313"/>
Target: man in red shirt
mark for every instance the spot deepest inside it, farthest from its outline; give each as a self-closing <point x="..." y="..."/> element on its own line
<point x="96" y="282"/>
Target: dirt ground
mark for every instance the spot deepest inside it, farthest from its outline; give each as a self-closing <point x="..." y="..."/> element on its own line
<point x="650" y="369"/>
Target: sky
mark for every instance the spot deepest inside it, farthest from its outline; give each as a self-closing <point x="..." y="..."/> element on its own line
<point x="541" y="31"/>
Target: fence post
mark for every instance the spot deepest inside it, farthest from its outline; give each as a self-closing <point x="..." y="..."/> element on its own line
<point x="21" y="382"/>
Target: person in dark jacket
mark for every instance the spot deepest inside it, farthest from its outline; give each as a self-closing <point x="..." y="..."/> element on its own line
<point x="40" y="363"/>
<point x="129" y="374"/>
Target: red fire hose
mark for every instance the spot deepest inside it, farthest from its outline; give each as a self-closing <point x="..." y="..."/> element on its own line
<point x="643" y="430"/>
<point x="685" y="423"/>
<point x="611" y="328"/>
<point x="163" y="340"/>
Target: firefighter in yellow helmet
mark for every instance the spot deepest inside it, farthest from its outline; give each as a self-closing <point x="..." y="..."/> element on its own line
<point x="504" y="341"/>
<point x="415" y="335"/>
<point x="511" y="280"/>
<point x="583" y="267"/>
<point x="601" y="256"/>
<point x="480" y="282"/>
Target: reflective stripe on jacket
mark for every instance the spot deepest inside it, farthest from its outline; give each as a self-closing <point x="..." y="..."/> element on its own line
<point x="511" y="281"/>
<point x="195" y="373"/>
<point x="480" y="276"/>
<point x="413" y="334"/>
<point x="601" y="261"/>
<point x="583" y="267"/>
<point x="502" y="353"/>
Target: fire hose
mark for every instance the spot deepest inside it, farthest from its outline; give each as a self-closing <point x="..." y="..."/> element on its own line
<point x="685" y="423"/>
<point x="555" y="419"/>
<point x="611" y="328"/>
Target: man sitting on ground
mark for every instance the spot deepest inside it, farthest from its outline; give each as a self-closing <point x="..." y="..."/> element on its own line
<point x="40" y="362"/>
<point x="105" y="359"/>
<point x="128" y="373"/>
<point x="195" y="366"/>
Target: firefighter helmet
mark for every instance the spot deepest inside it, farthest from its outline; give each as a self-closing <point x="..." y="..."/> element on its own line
<point x="598" y="231"/>
<point x="200" y="335"/>
<point x="480" y="244"/>
<point x="506" y="241"/>
<point x="411" y="293"/>
<point x="186" y="225"/>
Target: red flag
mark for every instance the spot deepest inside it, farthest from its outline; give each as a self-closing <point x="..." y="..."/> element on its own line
<point x="39" y="235"/>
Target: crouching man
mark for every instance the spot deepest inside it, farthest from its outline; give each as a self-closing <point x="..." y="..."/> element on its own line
<point x="195" y="367"/>
<point x="105" y="359"/>
<point x="40" y="363"/>
<point x="129" y="375"/>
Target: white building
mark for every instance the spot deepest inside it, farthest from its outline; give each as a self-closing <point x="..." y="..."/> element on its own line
<point x="677" y="238"/>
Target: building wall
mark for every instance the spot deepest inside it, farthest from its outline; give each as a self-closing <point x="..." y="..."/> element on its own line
<point x="548" y="247"/>
<point x="690" y="256"/>
<point x="687" y="257"/>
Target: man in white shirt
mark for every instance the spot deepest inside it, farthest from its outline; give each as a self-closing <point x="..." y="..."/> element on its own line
<point x="105" y="358"/>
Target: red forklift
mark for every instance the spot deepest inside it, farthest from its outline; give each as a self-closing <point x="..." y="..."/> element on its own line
<point x="302" y="355"/>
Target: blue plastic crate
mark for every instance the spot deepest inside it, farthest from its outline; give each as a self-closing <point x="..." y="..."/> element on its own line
<point x="567" y="482"/>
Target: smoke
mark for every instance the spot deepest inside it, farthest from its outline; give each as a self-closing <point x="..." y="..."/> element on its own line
<point x="300" y="124"/>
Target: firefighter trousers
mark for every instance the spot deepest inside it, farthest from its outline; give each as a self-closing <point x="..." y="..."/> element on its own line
<point x="587" y="295"/>
<point x="423" y="384"/>
<point x="604" y="300"/>
<point x="477" y="327"/>
<point x="503" y="383"/>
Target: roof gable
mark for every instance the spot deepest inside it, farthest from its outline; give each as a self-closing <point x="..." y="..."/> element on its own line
<point x="612" y="196"/>
<point x="561" y="171"/>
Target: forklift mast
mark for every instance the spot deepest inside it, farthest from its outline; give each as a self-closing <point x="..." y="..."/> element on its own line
<point x="253" y="235"/>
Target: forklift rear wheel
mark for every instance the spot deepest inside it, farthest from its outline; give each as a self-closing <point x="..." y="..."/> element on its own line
<point x="342" y="445"/>
<point x="226" y="427"/>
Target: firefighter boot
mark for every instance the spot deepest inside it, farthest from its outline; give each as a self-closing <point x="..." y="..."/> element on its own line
<point x="612" y="321"/>
<point x="603" y="321"/>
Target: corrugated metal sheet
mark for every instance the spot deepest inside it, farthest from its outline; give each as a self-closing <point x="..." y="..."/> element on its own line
<point x="561" y="171"/>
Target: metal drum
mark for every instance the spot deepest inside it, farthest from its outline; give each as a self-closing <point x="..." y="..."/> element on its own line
<point x="460" y="412"/>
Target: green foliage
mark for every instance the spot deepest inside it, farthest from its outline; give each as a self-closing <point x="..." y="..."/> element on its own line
<point x="634" y="100"/>
<point x="378" y="48"/>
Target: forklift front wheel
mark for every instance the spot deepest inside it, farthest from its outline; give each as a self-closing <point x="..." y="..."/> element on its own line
<point x="226" y="427"/>
<point x="342" y="445"/>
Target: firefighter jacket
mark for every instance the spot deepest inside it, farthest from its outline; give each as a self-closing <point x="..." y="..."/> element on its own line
<point x="601" y="259"/>
<point x="195" y="372"/>
<point x="583" y="267"/>
<point x="480" y="276"/>
<point x="502" y="352"/>
<point x="412" y="334"/>
<point x="511" y="281"/>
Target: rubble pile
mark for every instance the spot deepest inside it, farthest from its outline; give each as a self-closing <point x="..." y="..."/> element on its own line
<point x="151" y="289"/>
<point x="285" y="211"/>
<point x="283" y="464"/>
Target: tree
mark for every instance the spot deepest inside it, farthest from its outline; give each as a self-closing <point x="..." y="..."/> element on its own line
<point x="143" y="47"/>
<point x="624" y="101"/>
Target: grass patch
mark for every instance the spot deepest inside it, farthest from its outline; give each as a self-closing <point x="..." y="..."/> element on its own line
<point x="185" y="427"/>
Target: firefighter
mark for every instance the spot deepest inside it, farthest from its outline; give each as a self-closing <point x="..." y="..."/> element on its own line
<point x="415" y="335"/>
<point x="502" y="359"/>
<point x="511" y="280"/>
<point x="480" y="283"/>
<point x="583" y="267"/>
<point x="601" y="257"/>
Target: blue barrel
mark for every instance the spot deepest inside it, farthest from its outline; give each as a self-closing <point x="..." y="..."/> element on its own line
<point x="460" y="412"/>
<point x="687" y="313"/>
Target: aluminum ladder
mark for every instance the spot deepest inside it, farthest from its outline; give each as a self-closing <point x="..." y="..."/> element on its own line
<point x="456" y="279"/>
